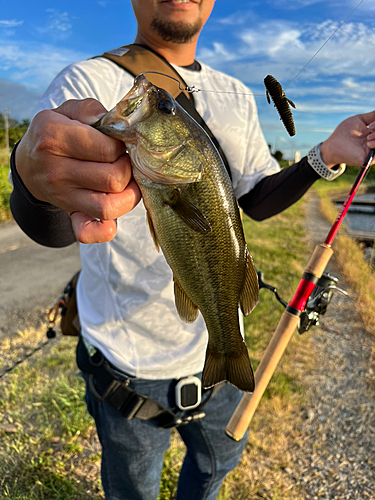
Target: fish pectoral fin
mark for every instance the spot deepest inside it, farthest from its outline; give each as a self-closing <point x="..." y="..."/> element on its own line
<point x="186" y="309"/>
<point x="188" y="212"/>
<point x="250" y="289"/>
<point x="234" y="367"/>
<point x="151" y="228"/>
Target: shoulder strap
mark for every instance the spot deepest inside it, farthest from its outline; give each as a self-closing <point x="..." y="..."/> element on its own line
<point x="136" y="59"/>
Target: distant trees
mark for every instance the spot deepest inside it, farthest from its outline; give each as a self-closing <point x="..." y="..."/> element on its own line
<point x="16" y="130"/>
<point x="276" y="154"/>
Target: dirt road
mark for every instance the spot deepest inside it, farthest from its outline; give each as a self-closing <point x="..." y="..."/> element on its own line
<point x="31" y="277"/>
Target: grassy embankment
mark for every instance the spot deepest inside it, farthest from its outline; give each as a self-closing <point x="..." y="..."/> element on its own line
<point x="53" y="453"/>
<point x="5" y="187"/>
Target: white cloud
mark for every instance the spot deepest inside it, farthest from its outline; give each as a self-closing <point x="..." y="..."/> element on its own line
<point x="346" y="108"/>
<point x="35" y="64"/>
<point x="293" y="4"/>
<point x="4" y="23"/>
<point x="58" y="26"/>
<point x="282" y="48"/>
<point x="217" y="53"/>
<point x="346" y="53"/>
<point x="237" y="18"/>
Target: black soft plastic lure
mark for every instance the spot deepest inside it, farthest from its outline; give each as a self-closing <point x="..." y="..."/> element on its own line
<point x="281" y="102"/>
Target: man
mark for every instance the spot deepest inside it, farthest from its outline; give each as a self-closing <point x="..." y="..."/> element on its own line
<point x="67" y="174"/>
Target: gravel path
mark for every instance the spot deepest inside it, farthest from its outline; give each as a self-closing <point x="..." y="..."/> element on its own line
<point x="334" y="457"/>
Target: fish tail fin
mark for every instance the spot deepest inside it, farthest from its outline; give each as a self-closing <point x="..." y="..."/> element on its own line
<point x="234" y="368"/>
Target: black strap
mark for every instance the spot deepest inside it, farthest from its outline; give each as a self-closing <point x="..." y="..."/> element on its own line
<point x="136" y="58"/>
<point x="129" y="403"/>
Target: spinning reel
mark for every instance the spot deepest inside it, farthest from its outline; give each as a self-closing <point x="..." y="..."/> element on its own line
<point x="316" y="304"/>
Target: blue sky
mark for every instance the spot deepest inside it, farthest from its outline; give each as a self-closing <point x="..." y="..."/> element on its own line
<point x="248" y="39"/>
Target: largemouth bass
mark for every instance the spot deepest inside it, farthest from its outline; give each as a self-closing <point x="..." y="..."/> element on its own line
<point x="194" y="218"/>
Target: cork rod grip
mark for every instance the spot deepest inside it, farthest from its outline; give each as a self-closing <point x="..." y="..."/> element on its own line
<point x="244" y="412"/>
<point x="319" y="260"/>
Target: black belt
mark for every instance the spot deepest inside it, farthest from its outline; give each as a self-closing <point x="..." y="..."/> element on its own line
<point x="130" y="404"/>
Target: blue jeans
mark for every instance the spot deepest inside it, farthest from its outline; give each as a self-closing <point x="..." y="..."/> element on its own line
<point x="133" y="450"/>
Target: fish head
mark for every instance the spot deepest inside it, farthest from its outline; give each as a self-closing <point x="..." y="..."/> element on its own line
<point x="163" y="141"/>
<point x="120" y="122"/>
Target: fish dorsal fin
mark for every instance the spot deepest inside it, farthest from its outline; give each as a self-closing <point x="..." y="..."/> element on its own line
<point x="250" y="289"/>
<point x="152" y="231"/>
<point x="188" y="212"/>
<point x="186" y="309"/>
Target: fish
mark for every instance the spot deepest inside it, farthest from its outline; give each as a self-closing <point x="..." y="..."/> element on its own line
<point x="193" y="217"/>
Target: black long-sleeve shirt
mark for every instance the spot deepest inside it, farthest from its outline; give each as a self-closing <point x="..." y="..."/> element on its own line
<point x="51" y="226"/>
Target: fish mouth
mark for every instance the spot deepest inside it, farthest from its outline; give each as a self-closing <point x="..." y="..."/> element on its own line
<point x="133" y="107"/>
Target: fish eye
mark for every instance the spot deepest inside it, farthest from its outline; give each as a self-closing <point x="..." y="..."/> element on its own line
<point x="166" y="106"/>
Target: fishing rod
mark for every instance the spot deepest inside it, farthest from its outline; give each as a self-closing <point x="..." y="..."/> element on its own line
<point x="290" y="318"/>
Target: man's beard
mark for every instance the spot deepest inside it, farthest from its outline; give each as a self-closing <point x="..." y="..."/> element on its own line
<point x="175" y="32"/>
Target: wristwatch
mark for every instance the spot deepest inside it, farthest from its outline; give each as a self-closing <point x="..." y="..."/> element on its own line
<point x="315" y="161"/>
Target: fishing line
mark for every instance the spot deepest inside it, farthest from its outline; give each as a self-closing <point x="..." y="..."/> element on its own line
<point x="193" y="89"/>
<point x="325" y="43"/>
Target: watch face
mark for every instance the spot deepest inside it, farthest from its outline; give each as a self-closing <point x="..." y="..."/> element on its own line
<point x="189" y="395"/>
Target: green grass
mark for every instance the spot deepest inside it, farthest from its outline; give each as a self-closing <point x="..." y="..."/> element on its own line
<point x="5" y="187"/>
<point x="42" y="398"/>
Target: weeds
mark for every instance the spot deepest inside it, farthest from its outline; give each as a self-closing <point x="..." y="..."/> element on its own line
<point x="5" y="187"/>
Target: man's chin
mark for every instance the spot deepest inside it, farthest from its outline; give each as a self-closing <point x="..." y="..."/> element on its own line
<point x="175" y="31"/>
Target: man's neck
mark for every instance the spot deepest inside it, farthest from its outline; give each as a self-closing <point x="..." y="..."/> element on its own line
<point x="181" y="54"/>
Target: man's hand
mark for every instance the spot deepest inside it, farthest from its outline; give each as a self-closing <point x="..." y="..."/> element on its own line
<point x="350" y="142"/>
<point x="62" y="160"/>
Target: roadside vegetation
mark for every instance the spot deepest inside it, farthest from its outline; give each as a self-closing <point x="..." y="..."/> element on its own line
<point x="49" y="448"/>
<point x="5" y="187"/>
<point x="16" y="129"/>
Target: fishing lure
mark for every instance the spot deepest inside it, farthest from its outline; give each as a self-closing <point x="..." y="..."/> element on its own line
<point x="281" y="102"/>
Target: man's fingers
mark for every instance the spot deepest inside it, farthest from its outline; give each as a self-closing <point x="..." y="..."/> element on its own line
<point x="55" y="134"/>
<point x="85" y="111"/>
<point x="65" y="162"/>
<point x="104" y="177"/>
<point x="371" y="135"/>
<point x="90" y="230"/>
<point x="368" y="118"/>
<point x="103" y="206"/>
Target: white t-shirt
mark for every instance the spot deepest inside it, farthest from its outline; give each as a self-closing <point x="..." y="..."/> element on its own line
<point x="125" y="292"/>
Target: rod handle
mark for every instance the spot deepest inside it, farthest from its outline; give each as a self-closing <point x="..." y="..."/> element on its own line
<point x="245" y="410"/>
<point x="319" y="260"/>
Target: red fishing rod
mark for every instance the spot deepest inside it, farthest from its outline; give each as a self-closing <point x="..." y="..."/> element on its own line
<point x="290" y="318"/>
